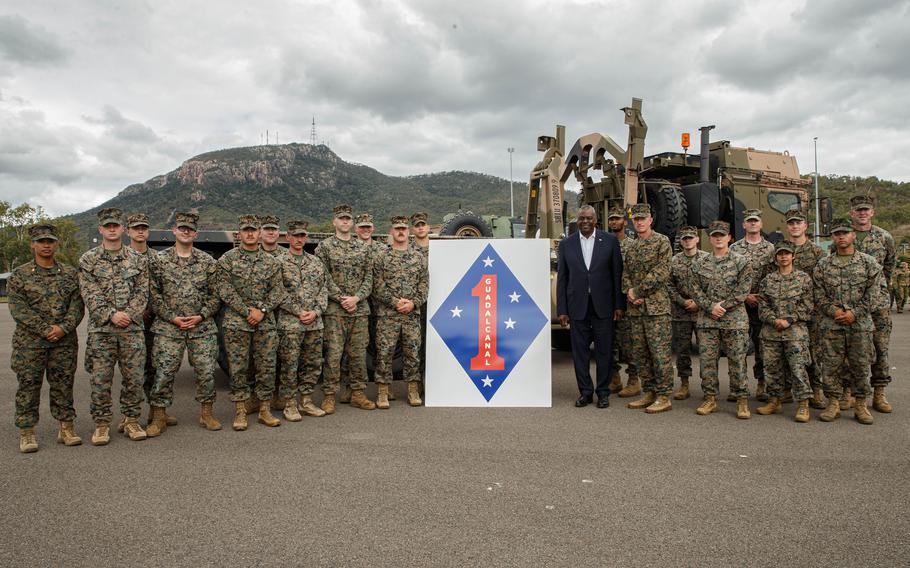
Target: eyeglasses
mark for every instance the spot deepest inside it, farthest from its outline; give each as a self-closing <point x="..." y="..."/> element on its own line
<point x="186" y="230"/>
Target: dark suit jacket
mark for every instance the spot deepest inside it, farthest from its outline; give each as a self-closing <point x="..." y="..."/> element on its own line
<point x="604" y="279"/>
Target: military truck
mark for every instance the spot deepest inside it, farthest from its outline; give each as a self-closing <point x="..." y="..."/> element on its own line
<point x="469" y="224"/>
<point x="720" y="182"/>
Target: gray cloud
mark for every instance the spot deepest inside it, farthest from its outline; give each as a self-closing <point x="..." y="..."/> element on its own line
<point x="28" y="44"/>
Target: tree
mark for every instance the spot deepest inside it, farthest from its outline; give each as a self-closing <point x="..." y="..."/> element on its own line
<point x="15" y="243"/>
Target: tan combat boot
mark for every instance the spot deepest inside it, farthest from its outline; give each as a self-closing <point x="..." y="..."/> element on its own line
<point x="708" y="406"/>
<point x="28" y="443"/>
<point x="391" y="391"/>
<point x="861" y="411"/>
<point x="132" y="429"/>
<point x="310" y="409"/>
<point x="773" y="406"/>
<point x="207" y="420"/>
<point x="67" y="434"/>
<point x="359" y="400"/>
<point x="616" y="383"/>
<point x="742" y="409"/>
<point x="120" y="424"/>
<point x="345" y="396"/>
<point x="157" y="422"/>
<point x="662" y="404"/>
<point x="251" y="406"/>
<point x="102" y="434"/>
<point x="382" y="398"/>
<point x="761" y="394"/>
<point x="846" y="400"/>
<point x="240" y="415"/>
<point x="633" y="388"/>
<point x="169" y="420"/>
<point x="817" y="401"/>
<point x="643" y="402"/>
<point x="802" y="411"/>
<point x="265" y="415"/>
<point x="831" y="412"/>
<point x="787" y="398"/>
<point x="290" y="410"/>
<point x="414" y="393"/>
<point x="328" y="404"/>
<point x="276" y="403"/>
<point x="879" y="402"/>
<point x="683" y="392"/>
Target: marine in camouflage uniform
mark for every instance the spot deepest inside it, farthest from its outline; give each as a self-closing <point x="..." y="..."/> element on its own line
<point x="785" y="310"/>
<point x="646" y="273"/>
<point x="137" y="228"/>
<point x="720" y="283"/>
<point x="679" y="288"/>
<point x="399" y="289"/>
<point x="248" y="281"/>
<point x="115" y="288"/>
<point x="44" y="302"/>
<point x="185" y="302"/>
<point x="879" y="244"/>
<point x="900" y="282"/>
<point x="760" y="253"/>
<point x="349" y="281"/>
<point x="848" y="288"/>
<point x="622" y="342"/>
<point x="420" y="229"/>
<point x="313" y="298"/>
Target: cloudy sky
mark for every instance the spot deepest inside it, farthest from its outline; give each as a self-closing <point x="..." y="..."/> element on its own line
<point x="95" y="95"/>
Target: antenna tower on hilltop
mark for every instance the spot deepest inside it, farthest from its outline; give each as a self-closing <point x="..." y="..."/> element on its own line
<point x="313" y="132"/>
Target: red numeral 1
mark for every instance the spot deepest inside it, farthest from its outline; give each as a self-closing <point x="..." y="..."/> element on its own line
<point x="486" y="359"/>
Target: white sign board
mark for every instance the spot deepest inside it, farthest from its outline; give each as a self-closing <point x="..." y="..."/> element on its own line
<point x="488" y="320"/>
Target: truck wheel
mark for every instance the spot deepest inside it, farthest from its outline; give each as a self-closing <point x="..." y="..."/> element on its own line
<point x="466" y="224"/>
<point x="669" y="208"/>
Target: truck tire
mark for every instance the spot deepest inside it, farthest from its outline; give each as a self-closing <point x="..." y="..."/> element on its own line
<point x="466" y="224"/>
<point x="668" y="206"/>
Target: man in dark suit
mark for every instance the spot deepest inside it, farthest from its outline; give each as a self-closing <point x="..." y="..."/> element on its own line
<point x="589" y="297"/>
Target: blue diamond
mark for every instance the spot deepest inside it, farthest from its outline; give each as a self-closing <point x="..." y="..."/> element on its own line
<point x="488" y="354"/>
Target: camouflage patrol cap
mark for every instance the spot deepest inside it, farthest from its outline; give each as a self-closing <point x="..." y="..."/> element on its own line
<point x="687" y="231"/>
<point x="862" y="202"/>
<point x="248" y="222"/>
<point x="268" y="222"/>
<point x="795" y="215"/>
<point x="904" y="265"/>
<point x="419" y="217"/>
<point x="616" y="212"/>
<point x="137" y="220"/>
<point x="784" y="245"/>
<point x="298" y="227"/>
<point x="842" y="225"/>
<point x="43" y="231"/>
<point x="640" y="210"/>
<point x="750" y="214"/>
<point x="188" y="220"/>
<point x="343" y="210"/>
<point x="110" y="215"/>
<point x="399" y="222"/>
<point x="364" y="220"/>
<point x="721" y="227"/>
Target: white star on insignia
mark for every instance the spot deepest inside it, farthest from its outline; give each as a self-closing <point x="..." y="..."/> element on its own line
<point x="487" y="381"/>
<point x="513" y="297"/>
<point x="488" y="261"/>
<point x="510" y="324"/>
<point x="456" y="313"/>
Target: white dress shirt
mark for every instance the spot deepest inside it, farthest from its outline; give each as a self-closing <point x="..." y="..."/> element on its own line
<point x="587" y="247"/>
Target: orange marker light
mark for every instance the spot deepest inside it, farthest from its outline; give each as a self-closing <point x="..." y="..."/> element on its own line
<point x="685" y="140"/>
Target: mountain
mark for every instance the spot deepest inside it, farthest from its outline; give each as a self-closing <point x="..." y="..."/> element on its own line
<point x="298" y="181"/>
<point x="892" y="199"/>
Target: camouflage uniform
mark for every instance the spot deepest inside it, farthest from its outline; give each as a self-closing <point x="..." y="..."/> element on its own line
<point x="854" y="283"/>
<point x="312" y="295"/>
<point x="679" y="288"/>
<point x="759" y="255"/>
<point x="787" y="297"/>
<point x="622" y="344"/>
<point x="244" y="280"/>
<point x="348" y="273"/>
<point x="39" y="298"/>
<point x="879" y="244"/>
<point x="900" y="282"/>
<point x="727" y="280"/>
<point x="137" y="220"/>
<point x="425" y="251"/>
<point x="398" y="274"/>
<point x="646" y="270"/>
<point x="183" y="287"/>
<point x="113" y="281"/>
<point x="290" y="328"/>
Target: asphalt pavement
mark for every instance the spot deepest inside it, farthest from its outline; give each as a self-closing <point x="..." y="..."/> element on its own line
<point x="464" y="487"/>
